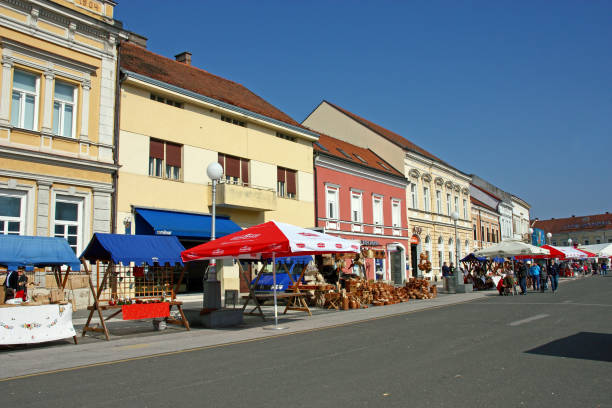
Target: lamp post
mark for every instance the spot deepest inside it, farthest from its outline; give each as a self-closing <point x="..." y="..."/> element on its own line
<point x="569" y="241"/>
<point x="530" y="239"/>
<point x="549" y="236"/>
<point x="212" y="287"/>
<point x="455" y="217"/>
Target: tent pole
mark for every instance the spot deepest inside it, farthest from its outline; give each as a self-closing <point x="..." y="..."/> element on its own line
<point x="274" y="283"/>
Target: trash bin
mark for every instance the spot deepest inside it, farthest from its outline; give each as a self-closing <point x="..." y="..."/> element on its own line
<point x="450" y="284"/>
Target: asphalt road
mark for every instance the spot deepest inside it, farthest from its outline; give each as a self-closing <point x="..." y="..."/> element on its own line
<point x="539" y="350"/>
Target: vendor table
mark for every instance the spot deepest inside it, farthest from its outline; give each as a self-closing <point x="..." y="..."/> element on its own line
<point x="291" y="299"/>
<point x="21" y="324"/>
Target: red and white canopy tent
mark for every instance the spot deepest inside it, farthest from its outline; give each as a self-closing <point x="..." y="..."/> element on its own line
<point x="270" y="240"/>
<point x="559" y="252"/>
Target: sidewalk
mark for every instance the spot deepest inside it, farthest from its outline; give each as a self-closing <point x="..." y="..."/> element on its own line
<point x="137" y="339"/>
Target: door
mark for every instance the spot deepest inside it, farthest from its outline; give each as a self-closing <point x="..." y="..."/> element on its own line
<point x="396" y="267"/>
<point x="414" y="260"/>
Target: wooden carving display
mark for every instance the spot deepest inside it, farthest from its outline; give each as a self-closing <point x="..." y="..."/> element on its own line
<point x="424" y="264"/>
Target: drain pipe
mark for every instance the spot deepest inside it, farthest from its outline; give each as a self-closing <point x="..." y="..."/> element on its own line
<point x="119" y="81"/>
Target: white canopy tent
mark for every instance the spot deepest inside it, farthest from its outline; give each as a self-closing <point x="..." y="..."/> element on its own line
<point x="510" y="248"/>
<point x="601" y="250"/>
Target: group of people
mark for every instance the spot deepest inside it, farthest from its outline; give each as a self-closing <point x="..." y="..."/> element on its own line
<point x="15" y="285"/>
<point x="538" y="275"/>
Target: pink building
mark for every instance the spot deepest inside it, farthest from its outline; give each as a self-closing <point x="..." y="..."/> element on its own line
<point x="361" y="197"/>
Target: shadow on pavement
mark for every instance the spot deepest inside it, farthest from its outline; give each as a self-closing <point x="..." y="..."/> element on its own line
<point x="583" y="345"/>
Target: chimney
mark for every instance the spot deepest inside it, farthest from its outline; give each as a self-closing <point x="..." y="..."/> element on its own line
<point x="184" y="57"/>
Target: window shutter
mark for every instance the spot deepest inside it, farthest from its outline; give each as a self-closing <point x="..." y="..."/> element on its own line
<point x="291" y="182"/>
<point x="244" y="164"/>
<point x="232" y="166"/>
<point x="173" y="155"/>
<point x="280" y="174"/>
<point x="156" y="149"/>
<point x="221" y="160"/>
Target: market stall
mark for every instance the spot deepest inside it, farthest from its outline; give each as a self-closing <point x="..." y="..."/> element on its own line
<point x="270" y="240"/>
<point x="30" y="321"/>
<point x="137" y="277"/>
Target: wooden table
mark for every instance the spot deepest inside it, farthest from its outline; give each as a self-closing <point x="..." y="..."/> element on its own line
<point x="292" y="299"/>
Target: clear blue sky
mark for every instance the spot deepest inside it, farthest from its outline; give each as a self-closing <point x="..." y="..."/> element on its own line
<point x="519" y="93"/>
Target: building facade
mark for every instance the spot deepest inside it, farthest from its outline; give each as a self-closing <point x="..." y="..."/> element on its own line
<point x="361" y="197"/>
<point x="582" y="230"/>
<point x="175" y="120"/>
<point x="520" y="219"/>
<point x="504" y="204"/>
<point x="435" y="189"/>
<point x="485" y="225"/>
<point x="57" y="118"/>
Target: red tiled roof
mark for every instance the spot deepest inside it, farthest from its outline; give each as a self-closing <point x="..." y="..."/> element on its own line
<point x="386" y="133"/>
<point x="142" y="61"/>
<point x="481" y="204"/>
<point x="372" y="159"/>
<point x="588" y="222"/>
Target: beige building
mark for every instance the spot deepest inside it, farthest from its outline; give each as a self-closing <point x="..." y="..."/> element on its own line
<point x="57" y="104"/>
<point x="175" y="120"/>
<point x="485" y="225"/>
<point x="435" y="190"/>
<point x="581" y="230"/>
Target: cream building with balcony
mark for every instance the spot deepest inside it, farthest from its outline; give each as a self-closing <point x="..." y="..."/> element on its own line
<point x="176" y="119"/>
<point x="57" y="117"/>
<point x="435" y="189"/>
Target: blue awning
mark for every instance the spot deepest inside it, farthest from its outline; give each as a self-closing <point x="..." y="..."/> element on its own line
<point x="180" y="224"/>
<point x="27" y="251"/>
<point x="471" y="258"/>
<point x="304" y="259"/>
<point x="134" y="248"/>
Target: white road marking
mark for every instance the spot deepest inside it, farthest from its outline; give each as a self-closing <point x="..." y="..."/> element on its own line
<point x="529" y="319"/>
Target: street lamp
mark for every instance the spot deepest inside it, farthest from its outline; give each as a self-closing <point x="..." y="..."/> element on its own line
<point x="212" y="287"/>
<point x="530" y="239"/>
<point x="569" y="241"/>
<point x="455" y="217"/>
<point x="549" y="236"/>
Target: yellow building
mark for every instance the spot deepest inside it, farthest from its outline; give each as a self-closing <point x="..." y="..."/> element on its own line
<point x="435" y="188"/>
<point x="57" y="104"/>
<point x="176" y="119"/>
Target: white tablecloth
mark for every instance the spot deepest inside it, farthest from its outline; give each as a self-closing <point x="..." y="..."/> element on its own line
<point x="35" y="324"/>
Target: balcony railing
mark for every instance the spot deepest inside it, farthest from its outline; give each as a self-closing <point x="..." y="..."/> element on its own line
<point x="246" y="197"/>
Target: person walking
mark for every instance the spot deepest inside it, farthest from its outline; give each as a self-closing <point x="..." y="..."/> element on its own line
<point x="554" y="276"/>
<point x="534" y="271"/>
<point x="604" y="269"/>
<point x="543" y="278"/>
<point x="594" y="267"/>
<point x="522" y="276"/>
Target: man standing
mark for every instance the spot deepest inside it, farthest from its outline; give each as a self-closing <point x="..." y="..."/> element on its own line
<point x="543" y="277"/>
<point x="522" y="276"/>
<point x="554" y="276"/>
<point x="604" y="269"/>
<point x="445" y="270"/>
<point x="534" y="272"/>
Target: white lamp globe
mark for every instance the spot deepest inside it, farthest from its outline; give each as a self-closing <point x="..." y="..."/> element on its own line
<point x="455" y="215"/>
<point x="548" y="235"/>
<point x="530" y="230"/>
<point x="214" y="171"/>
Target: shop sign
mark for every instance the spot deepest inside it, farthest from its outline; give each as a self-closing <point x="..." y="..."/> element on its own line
<point x="370" y="243"/>
<point x="415" y="240"/>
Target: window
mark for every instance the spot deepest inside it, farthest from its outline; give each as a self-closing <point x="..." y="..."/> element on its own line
<point x="482" y="235"/>
<point x="438" y="201"/>
<point x="345" y="154"/>
<point x="287" y="137"/>
<point x="413" y="195"/>
<point x="464" y="209"/>
<point x="331" y="199"/>
<point x="488" y="235"/>
<point x="457" y="205"/>
<point x="356" y="206"/>
<point x="384" y="166"/>
<point x="475" y="232"/>
<point x="361" y="159"/>
<point x="233" y="121"/>
<point x="396" y="213"/>
<point x="64" y="111"/>
<point x="598" y="241"/>
<point x="12" y="213"/>
<point x="236" y="169"/>
<point x="320" y="146"/>
<point x="166" y="101"/>
<point x="426" y="198"/>
<point x="377" y="210"/>
<point x="67" y="221"/>
<point x="24" y="104"/>
<point x="165" y="159"/>
<point x="586" y="242"/>
<point x="448" y="204"/>
<point x="555" y="243"/>
<point x="285" y="182"/>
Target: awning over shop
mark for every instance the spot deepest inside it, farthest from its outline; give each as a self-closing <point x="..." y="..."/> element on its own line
<point x="182" y="225"/>
<point x="27" y="251"/>
<point x="294" y="259"/>
<point x="134" y="248"/>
